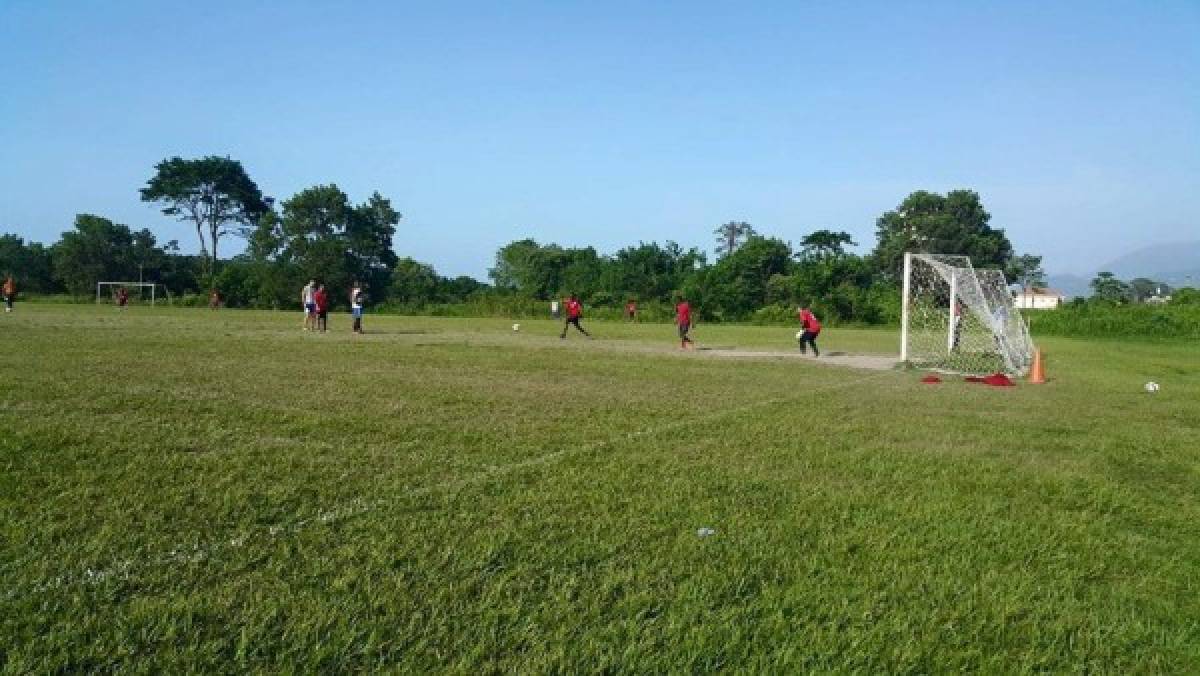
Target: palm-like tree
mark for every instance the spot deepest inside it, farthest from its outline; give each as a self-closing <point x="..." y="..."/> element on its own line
<point x="732" y="234"/>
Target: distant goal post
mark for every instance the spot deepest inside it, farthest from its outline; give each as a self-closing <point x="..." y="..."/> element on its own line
<point x="957" y="319"/>
<point x="139" y="292"/>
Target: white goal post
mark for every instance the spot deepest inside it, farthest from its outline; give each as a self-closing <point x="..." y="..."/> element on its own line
<point x="957" y="319"/>
<point x="138" y="291"/>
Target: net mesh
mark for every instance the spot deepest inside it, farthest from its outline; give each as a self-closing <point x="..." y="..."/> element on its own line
<point x="963" y="320"/>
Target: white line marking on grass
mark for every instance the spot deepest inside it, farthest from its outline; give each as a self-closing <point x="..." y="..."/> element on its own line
<point x="125" y="570"/>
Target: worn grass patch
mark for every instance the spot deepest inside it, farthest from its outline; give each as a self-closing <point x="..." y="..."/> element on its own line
<point x="193" y="491"/>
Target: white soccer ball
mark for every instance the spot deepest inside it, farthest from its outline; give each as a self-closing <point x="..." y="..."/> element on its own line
<point x="516" y="327"/>
<point x="799" y="335"/>
<point x="1151" y="386"/>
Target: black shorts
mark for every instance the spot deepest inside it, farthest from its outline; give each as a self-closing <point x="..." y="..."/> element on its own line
<point x="322" y="314"/>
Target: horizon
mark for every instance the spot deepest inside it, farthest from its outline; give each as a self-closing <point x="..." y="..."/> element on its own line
<point x="1078" y="125"/>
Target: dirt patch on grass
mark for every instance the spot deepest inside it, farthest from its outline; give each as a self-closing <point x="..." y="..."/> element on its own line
<point x="858" y="361"/>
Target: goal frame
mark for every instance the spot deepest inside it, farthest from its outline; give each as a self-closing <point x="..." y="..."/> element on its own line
<point x="974" y="306"/>
<point x="153" y="286"/>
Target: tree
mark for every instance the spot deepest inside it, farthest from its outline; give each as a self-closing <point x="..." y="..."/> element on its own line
<point x="822" y="244"/>
<point x="738" y="283"/>
<point x="1027" y="271"/>
<point x="213" y="193"/>
<point x="730" y="235"/>
<point x="96" y="250"/>
<point x="1108" y="288"/>
<point x="413" y="282"/>
<point x="926" y="222"/>
<point x="327" y="238"/>
<point x="30" y="264"/>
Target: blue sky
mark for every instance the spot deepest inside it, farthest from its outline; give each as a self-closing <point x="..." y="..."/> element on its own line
<point x="607" y="123"/>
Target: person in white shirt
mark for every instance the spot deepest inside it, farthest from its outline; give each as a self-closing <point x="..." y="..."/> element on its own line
<point x="308" y="300"/>
<point x="356" y="306"/>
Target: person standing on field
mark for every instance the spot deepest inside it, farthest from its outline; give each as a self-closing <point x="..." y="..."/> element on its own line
<point x="321" y="302"/>
<point x="631" y="310"/>
<point x="214" y="300"/>
<point x="310" y="305"/>
<point x="574" y="314"/>
<point x="811" y="329"/>
<point x="356" y="306"/>
<point x="683" y="320"/>
<point x="122" y="298"/>
<point x="10" y="293"/>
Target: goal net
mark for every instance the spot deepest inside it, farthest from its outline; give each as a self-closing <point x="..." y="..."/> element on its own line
<point x="960" y="320"/>
<point x="139" y="293"/>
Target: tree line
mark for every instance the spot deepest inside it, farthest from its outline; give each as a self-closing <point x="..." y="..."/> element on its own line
<point x="321" y="233"/>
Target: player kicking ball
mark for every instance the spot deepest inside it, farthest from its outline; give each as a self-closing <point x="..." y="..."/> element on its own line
<point x="811" y="328"/>
<point x="574" y="314"/>
<point x="683" y="321"/>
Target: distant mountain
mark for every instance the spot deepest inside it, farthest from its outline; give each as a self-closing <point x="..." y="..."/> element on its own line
<point x="1069" y="285"/>
<point x="1177" y="264"/>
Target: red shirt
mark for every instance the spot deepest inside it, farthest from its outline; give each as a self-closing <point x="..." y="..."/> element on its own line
<point x="809" y="321"/>
<point x="683" y="313"/>
<point x="321" y="300"/>
<point x="574" y="308"/>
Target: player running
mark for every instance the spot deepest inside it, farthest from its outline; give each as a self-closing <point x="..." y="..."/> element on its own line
<point x="812" y="329"/>
<point x="574" y="314"/>
<point x="683" y="320"/>
<point x="10" y="293"/>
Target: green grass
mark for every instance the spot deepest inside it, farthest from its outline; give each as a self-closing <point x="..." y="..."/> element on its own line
<point x="184" y="491"/>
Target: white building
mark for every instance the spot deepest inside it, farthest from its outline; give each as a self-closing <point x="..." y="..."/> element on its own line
<point x="1038" y="299"/>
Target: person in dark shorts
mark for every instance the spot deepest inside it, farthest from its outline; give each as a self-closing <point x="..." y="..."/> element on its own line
<point x="631" y="310"/>
<point x="122" y="298"/>
<point x="683" y="320"/>
<point x="574" y="313"/>
<point x="357" y="298"/>
<point x="321" y="301"/>
<point x="811" y="329"/>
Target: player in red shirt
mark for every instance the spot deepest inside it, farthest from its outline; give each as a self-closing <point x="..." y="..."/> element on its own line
<point x="321" y="300"/>
<point x="574" y="314"/>
<point x="631" y="310"/>
<point x="811" y="329"/>
<point x="683" y="320"/>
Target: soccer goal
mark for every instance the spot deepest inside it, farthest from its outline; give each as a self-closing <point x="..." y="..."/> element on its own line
<point x="957" y="319"/>
<point x="139" y="292"/>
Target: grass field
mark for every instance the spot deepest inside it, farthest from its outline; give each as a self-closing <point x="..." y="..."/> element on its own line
<point x="193" y="491"/>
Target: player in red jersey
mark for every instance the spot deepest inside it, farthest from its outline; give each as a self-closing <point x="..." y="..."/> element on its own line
<point x="811" y="329"/>
<point x="321" y="301"/>
<point x="574" y="314"/>
<point x="683" y="320"/>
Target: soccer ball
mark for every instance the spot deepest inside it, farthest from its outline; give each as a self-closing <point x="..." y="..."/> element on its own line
<point x="516" y="327"/>
<point x="799" y="335"/>
<point x="1151" y="387"/>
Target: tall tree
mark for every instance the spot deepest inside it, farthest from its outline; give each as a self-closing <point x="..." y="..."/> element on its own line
<point x="926" y="222"/>
<point x="1027" y="271"/>
<point x="822" y="244"/>
<point x="331" y="240"/>
<point x="213" y="193"/>
<point x="1106" y="287"/>
<point x="730" y="235"/>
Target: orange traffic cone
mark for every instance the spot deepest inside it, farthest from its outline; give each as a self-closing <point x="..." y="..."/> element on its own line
<point x="1037" y="375"/>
